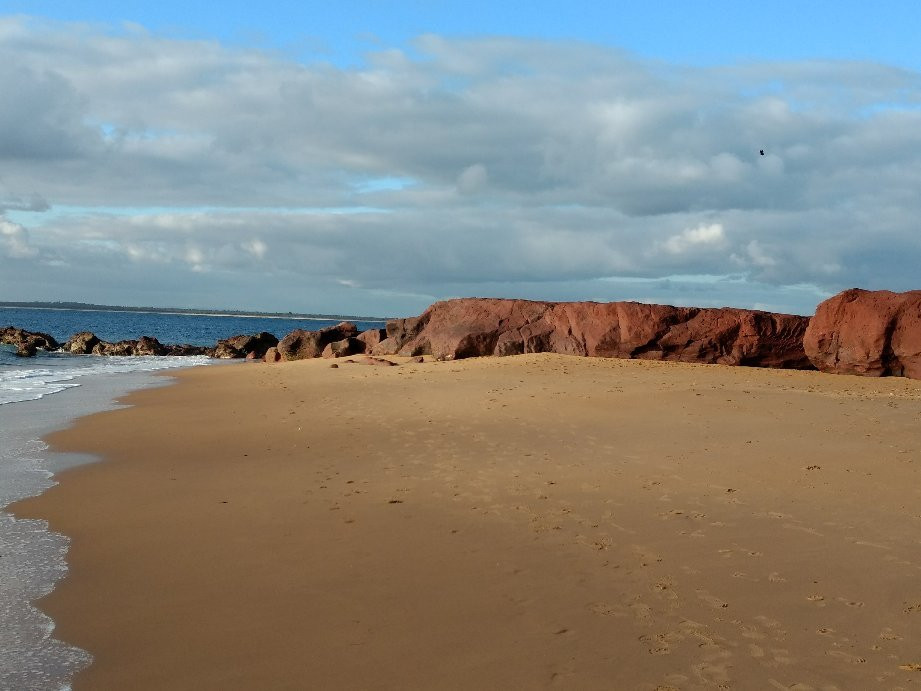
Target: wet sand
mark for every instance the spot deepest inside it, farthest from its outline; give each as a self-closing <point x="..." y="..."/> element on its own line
<point x="540" y="521"/>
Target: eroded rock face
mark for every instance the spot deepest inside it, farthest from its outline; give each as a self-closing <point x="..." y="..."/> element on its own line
<point x="870" y="333"/>
<point x="344" y="348"/>
<point x="472" y="327"/>
<point x="27" y="342"/>
<point x="372" y="337"/>
<point x="300" y="344"/>
<point x="81" y="343"/>
<point x="253" y="346"/>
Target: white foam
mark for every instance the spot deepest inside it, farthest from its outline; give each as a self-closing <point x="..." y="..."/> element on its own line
<point x="32" y="557"/>
<point x="31" y="380"/>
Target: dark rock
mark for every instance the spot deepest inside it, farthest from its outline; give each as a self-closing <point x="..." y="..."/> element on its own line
<point x="344" y="348"/>
<point x="26" y="349"/>
<point x="301" y="345"/>
<point x="241" y="346"/>
<point x="27" y="342"/>
<point x="185" y="349"/>
<point x="81" y="343"/>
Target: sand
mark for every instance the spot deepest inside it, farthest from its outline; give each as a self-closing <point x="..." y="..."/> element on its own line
<point x="533" y="522"/>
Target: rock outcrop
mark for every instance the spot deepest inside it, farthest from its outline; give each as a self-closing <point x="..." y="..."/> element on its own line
<point x="87" y="343"/>
<point x="27" y="342"/>
<point x="472" y="327"/>
<point x="371" y="338"/>
<point x="344" y="348"/>
<point x="81" y="343"/>
<point x="301" y="345"/>
<point x="871" y="333"/>
<point x="253" y="346"/>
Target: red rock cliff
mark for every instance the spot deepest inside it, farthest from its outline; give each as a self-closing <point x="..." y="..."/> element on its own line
<point x="872" y="333"/>
<point x="471" y="327"/>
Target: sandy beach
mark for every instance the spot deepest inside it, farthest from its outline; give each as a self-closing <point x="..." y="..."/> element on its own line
<point x="537" y="521"/>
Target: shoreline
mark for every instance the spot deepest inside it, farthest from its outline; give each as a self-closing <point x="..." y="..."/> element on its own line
<point x="34" y="557"/>
<point x="533" y="521"/>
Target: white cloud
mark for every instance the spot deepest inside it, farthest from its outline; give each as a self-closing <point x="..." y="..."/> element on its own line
<point x="463" y="167"/>
<point x="703" y="236"/>
<point x="14" y="241"/>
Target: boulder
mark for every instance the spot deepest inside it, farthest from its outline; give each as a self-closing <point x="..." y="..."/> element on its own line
<point x="472" y="327"/>
<point x="123" y="348"/>
<point x="272" y="355"/>
<point x="148" y="345"/>
<point x="81" y="343"/>
<point x="26" y="349"/>
<point x="301" y="345"/>
<point x="870" y="333"/>
<point x="344" y="348"/>
<point x="185" y="349"/>
<point x="371" y="338"/>
<point x="27" y="342"/>
<point x="241" y="346"/>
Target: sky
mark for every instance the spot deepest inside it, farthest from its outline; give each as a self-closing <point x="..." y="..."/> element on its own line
<point x="372" y="158"/>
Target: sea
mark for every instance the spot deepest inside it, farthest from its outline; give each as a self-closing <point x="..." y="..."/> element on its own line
<point x="49" y="392"/>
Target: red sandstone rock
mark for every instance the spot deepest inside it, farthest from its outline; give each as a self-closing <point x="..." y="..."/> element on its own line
<point x="300" y="344"/>
<point x="272" y="355"/>
<point x="344" y="348"/>
<point x="871" y="333"/>
<point x="241" y="346"/>
<point x="473" y="327"/>
<point x="371" y="338"/>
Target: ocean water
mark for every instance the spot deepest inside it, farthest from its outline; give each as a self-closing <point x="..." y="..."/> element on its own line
<point x="203" y="330"/>
<point x="42" y="394"/>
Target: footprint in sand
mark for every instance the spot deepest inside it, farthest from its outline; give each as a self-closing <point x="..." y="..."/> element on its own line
<point x="850" y="603"/>
<point x="846" y="657"/>
<point x="606" y="610"/>
<point x="712" y="600"/>
<point x="642" y="613"/>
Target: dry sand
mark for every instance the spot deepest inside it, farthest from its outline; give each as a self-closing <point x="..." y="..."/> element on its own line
<point x="511" y="523"/>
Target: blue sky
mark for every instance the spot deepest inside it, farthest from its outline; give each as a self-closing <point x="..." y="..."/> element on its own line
<point x="375" y="157"/>
<point x="692" y="32"/>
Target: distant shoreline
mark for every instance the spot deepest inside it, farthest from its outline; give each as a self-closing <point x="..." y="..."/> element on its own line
<point x="85" y="307"/>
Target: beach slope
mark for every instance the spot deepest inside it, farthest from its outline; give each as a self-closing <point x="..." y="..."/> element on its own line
<point x="538" y="521"/>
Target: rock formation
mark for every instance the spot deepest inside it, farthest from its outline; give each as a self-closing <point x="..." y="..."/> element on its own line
<point x="473" y="327"/>
<point x="300" y="344"/>
<point x="27" y="342"/>
<point x="343" y="348"/>
<point x="871" y="333"/>
<point x="254" y="345"/>
<point x="81" y="343"/>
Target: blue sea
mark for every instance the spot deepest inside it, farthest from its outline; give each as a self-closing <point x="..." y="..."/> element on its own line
<point x="39" y="395"/>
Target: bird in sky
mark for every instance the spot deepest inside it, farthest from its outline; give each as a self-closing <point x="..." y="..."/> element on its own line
<point x="762" y="151"/>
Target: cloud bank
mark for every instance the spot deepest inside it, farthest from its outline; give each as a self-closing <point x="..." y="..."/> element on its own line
<point x="141" y="169"/>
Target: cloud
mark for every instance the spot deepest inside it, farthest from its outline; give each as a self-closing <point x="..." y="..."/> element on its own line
<point x="532" y="166"/>
<point x="14" y="241"/>
<point x="703" y="236"/>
